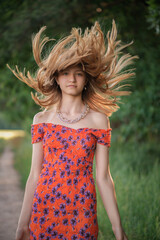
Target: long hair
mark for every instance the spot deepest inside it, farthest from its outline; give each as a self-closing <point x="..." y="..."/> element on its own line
<point x="104" y="64"/>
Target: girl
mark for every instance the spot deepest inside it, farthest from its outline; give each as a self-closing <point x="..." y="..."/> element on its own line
<point x="76" y="82"/>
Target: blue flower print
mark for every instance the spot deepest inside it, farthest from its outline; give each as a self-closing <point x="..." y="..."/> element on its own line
<point x="74" y="237"/>
<point x="41" y="236"/>
<point x="54" y="234"/>
<point x="45" y="211"/>
<point x="42" y="220"/>
<point x="64" y="205"/>
<point x="56" y="213"/>
<point x="65" y="221"/>
<point x="49" y="229"/>
<point x="35" y="219"/>
<point x="82" y="200"/>
<point x="73" y="221"/>
<point x="87" y="214"/>
<point x="76" y="197"/>
<point x="68" y="201"/>
<point x="75" y="212"/>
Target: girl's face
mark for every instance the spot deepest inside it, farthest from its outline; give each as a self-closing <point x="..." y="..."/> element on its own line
<point x="72" y="80"/>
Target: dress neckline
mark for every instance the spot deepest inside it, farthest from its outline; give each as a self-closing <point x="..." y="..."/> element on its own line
<point x="75" y="129"/>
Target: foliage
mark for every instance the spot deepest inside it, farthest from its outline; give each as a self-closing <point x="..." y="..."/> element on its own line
<point x="138" y="117"/>
<point x="154" y="15"/>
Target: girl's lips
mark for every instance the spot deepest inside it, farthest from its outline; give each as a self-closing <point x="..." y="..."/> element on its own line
<point x="71" y="86"/>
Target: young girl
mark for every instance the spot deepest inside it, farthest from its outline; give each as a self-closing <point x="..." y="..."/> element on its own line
<point x="77" y="85"/>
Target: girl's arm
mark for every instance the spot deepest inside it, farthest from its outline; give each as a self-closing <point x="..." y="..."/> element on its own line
<point x="36" y="166"/>
<point x="106" y="187"/>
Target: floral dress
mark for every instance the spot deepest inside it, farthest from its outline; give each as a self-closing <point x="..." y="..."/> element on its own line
<point x="64" y="203"/>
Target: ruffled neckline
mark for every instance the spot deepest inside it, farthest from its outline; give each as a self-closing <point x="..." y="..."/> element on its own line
<point x="75" y="129"/>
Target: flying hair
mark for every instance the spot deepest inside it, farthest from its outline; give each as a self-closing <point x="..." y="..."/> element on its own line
<point x="105" y="65"/>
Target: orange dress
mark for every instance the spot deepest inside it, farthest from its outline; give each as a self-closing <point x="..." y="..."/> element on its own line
<point x="64" y="203"/>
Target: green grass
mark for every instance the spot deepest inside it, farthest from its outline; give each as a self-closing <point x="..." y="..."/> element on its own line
<point x="23" y="154"/>
<point x="137" y="192"/>
<point x="2" y="145"/>
<point x="135" y="170"/>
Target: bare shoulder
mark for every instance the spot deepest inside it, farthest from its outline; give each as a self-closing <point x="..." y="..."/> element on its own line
<point x="102" y="121"/>
<point x="39" y="117"/>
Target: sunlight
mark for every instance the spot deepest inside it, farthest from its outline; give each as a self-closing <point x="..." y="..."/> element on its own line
<point x="8" y="134"/>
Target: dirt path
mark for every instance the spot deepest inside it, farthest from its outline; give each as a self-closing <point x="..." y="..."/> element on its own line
<point x="11" y="196"/>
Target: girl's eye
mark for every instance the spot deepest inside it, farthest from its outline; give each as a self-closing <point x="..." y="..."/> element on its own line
<point x="65" y="73"/>
<point x="79" y="74"/>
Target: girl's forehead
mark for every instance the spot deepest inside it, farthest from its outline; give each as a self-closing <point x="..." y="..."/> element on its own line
<point x="74" y="68"/>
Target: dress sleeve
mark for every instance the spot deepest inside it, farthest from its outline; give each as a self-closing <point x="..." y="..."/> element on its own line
<point x="104" y="137"/>
<point x="36" y="132"/>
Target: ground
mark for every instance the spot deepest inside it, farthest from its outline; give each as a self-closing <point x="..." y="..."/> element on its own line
<point x="11" y="196"/>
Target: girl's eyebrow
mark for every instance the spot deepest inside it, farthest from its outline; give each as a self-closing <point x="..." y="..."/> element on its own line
<point x="77" y="70"/>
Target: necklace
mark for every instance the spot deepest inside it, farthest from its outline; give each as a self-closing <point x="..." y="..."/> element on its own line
<point x="83" y="114"/>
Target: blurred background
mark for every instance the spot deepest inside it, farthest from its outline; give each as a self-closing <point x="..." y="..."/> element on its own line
<point x="135" y="151"/>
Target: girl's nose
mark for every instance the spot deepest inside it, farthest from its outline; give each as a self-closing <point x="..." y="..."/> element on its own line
<point x="72" y="77"/>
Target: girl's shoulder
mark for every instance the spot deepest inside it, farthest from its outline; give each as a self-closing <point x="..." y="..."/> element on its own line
<point x="101" y="120"/>
<point x="40" y="117"/>
<point x="96" y="119"/>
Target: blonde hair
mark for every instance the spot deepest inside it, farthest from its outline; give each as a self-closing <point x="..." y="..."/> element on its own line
<point x="103" y="67"/>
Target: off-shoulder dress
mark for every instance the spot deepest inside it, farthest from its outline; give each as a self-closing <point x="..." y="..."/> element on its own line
<point x="64" y="203"/>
